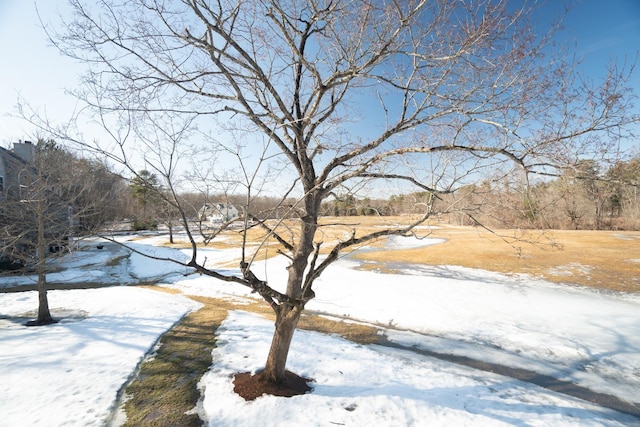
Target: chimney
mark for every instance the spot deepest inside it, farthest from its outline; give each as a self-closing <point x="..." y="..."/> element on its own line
<point x="25" y="150"/>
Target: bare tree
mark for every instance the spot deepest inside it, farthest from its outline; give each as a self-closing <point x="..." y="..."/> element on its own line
<point x="348" y="96"/>
<point x="60" y="196"/>
<point x="624" y="198"/>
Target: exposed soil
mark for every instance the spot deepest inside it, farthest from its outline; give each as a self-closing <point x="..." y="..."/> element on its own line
<point x="43" y="322"/>
<point x="251" y="386"/>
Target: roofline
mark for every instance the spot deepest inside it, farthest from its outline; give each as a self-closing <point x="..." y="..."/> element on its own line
<point x="15" y="156"/>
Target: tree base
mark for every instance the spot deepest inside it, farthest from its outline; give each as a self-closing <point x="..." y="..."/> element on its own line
<point x="249" y="386"/>
<point x="42" y="322"/>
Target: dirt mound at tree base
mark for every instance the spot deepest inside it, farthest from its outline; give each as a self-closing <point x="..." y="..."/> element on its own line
<point x="251" y="386"/>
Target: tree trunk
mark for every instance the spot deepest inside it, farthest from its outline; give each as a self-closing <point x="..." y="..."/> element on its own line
<point x="286" y="323"/>
<point x="287" y="316"/>
<point x="44" y="315"/>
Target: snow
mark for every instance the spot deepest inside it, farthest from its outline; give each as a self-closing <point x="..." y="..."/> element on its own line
<point x="370" y="385"/>
<point x="70" y="373"/>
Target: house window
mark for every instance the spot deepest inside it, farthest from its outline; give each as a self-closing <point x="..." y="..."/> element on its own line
<point x="1" y="184"/>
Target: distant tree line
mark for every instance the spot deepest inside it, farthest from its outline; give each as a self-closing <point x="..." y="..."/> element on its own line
<point x="91" y="197"/>
<point x="583" y="197"/>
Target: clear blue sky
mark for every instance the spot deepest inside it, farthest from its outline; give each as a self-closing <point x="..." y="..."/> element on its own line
<point x="603" y="30"/>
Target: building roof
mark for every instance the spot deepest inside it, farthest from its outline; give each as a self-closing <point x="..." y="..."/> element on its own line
<point x="11" y="166"/>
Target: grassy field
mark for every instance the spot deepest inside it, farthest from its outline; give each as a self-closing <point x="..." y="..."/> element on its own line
<point x="599" y="259"/>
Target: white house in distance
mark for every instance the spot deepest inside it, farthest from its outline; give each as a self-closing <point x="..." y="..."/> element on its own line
<point x="217" y="213"/>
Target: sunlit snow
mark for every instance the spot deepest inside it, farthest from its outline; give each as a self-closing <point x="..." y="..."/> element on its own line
<point x="70" y="373"/>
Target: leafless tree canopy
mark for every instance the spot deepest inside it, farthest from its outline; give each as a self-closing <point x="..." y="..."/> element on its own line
<point x="346" y="95"/>
<point x="58" y="198"/>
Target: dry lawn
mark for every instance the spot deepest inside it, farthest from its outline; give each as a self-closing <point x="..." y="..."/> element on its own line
<point x="599" y="259"/>
<point x="165" y="388"/>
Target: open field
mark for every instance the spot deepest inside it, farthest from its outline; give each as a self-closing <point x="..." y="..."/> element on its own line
<point x="599" y="259"/>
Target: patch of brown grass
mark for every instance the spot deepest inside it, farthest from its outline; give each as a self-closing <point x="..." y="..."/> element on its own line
<point x="599" y="259"/>
<point x="332" y="229"/>
<point x="356" y="332"/>
<point x="166" y="386"/>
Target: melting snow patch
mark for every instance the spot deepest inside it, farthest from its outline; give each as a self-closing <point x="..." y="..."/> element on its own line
<point x="570" y="269"/>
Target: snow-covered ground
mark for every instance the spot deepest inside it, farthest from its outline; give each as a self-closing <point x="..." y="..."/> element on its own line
<point x="70" y="373"/>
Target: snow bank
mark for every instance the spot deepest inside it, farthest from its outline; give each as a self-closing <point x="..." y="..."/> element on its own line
<point x="69" y="373"/>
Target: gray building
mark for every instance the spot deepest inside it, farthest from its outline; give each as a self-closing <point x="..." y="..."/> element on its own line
<point x="16" y="169"/>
